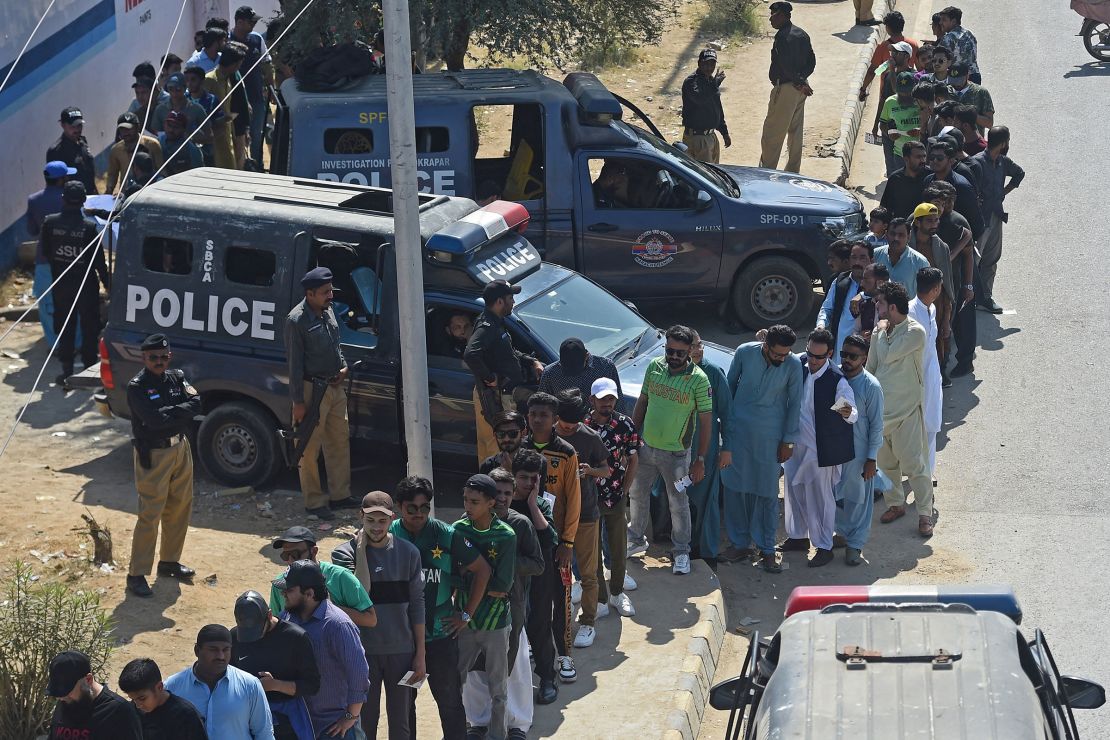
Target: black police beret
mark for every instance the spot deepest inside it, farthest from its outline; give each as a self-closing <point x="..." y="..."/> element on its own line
<point x="316" y="277"/>
<point x="155" y="341"/>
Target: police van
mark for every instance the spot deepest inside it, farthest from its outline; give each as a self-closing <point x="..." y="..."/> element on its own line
<point x="213" y="258"/>
<point x="681" y="229"/>
<point x="894" y="661"/>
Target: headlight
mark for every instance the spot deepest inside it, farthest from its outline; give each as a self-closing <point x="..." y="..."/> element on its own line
<point x="838" y="226"/>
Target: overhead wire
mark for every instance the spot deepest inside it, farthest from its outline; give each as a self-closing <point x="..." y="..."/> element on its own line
<point x="22" y="51"/>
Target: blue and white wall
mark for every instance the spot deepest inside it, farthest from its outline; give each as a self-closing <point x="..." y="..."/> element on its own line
<point x="82" y="55"/>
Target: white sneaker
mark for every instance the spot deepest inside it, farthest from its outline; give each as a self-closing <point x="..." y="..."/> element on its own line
<point x="602" y="610"/>
<point x="584" y="638"/>
<point x="567" y="674"/>
<point x="636" y="547"/>
<point x="576" y="592"/>
<point x="623" y="605"/>
<point x="681" y="564"/>
<point x="629" y="583"/>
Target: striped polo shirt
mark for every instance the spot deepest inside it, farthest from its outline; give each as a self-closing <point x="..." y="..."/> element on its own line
<point x="672" y="402"/>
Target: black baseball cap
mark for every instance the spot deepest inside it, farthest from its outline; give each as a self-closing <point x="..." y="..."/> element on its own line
<point x="127" y="120"/>
<point x="958" y="70"/>
<point x="482" y="482"/>
<point x="294" y="535"/>
<point x="301" y="574"/>
<point x="65" y="671"/>
<point x="246" y="11"/>
<point x="155" y="341"/>
<point x="707" y="54"/>
<point x="251" y="615"/>
<point x="497" y="289"/>
<point x="904" y="82"/>
<point x="72" y="115"/>
<point x="316" y="277"/>
<point x="572" y="356"/>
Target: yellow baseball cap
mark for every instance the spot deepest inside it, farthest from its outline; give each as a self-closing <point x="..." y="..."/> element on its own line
<point x="926" y="209"/>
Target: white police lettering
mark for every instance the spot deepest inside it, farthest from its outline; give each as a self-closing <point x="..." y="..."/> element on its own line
<point x="235" y="317"/>
<point x="208" y="261"/>
<point x="506" y="262"/>
<point x="440" y="182"/>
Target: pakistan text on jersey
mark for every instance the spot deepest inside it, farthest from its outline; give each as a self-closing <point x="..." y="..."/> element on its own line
<point x="666" y="391"/>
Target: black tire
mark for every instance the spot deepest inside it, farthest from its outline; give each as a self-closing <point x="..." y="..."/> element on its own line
<point x="772" y="290"/>
<point x="237" y="443"/>
<point x="1096" y="33"/>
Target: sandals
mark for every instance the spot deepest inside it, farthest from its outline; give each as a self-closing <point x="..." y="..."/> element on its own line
<point x="892" y="513"/>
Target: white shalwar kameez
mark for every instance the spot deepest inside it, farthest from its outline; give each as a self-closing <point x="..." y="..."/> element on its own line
<point x="934" y="394"/>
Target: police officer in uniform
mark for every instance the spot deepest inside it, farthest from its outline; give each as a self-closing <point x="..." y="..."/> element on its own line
<point x="702" y="114"/>
<point x="62" y="241"/>
<point x="317" y="373"/>
<point x="498" y="368"/>
<point x="72" y="148"/>
<point x="162" y="405"/>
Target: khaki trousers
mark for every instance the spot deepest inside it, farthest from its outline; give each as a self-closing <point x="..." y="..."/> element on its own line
<point x="863" y="9"/>
<point x="166" y="497"/>
<point x="703" y="147"/>
<point x="905" y="451"/>
<point x="990" y="246"/>
<point x="487" y="443"/>
<point x="785" y="119"/>
<point x="333" y="434"/>
<point x="586" y="551"/>
<point x="223" y="147"/>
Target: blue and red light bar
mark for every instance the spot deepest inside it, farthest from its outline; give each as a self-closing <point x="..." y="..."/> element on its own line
<point x="989" y="597"/>
<point x="479" y="227"/>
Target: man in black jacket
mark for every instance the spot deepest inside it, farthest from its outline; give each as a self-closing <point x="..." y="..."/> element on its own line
<point x="792" y="62"/>
<point x="702" y="114"/>
<point x="72" y="148"/>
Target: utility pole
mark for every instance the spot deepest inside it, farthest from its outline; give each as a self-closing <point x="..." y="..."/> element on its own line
<point x="407" y="246"/>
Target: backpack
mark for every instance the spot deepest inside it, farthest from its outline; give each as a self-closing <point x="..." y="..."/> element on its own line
<point x="334" y="67"/>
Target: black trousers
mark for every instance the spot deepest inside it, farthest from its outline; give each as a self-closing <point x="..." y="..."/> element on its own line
<point x="442" y="660"/>
<point x="964" y="329"/>
<point x="88" y="313"/>
<point x="540" y="611"/>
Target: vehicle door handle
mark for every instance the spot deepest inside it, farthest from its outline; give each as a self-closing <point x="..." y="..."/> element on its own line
<point x="602" y="228"/>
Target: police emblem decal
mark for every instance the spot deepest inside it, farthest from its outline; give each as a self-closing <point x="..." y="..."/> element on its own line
<point x="654" y="248"/>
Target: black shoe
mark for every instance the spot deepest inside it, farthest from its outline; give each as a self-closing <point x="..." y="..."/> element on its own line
<point x="990" y="306"/>
<point x="345" y="503"/>
<point x="839" y="541"/>
<point x="945" y="381"/>
<point x="771" y="564"/>
<point x="138" y="586"/>
<point x="476" y="733"/>
<point x="175" y="570"/>
<point x="61" y="380"/>
<point x="962" y="369"/>
<point x="872" y="22"/>
<point x="794" y="544"/>
<point x="321" y="512"/>
<point x="548" y="691"/>
<point x="853" y="557"/>
<point x="515" y="733"/>
<point x="821" y="557"/>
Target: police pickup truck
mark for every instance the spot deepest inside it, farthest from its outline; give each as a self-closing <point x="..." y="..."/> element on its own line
<point x="213" y="259"/>
<point x="889" y="662"/>
<point x="659" y="226"/>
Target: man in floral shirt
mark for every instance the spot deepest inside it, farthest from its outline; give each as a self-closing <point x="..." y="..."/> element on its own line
<point x="960" y="41"/>
<point x="622" y="439"/>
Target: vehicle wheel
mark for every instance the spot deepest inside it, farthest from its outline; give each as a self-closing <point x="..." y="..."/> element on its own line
<point x="237" y="444"/>
<point x="1096" y="39"/>
<point x="772" y="290"/>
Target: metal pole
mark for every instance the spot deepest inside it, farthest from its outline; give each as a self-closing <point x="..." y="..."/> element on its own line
<point x="406" y="219"/>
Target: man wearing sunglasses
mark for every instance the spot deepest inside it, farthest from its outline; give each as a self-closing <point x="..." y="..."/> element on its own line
<point x="299" y="543"/>
<point x="942" y="162"/>
<point x="855" y="502"/>
<point x="162" y="405"/>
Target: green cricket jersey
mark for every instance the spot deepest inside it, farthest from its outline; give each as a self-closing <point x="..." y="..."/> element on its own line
<point x="441" y="550"/>
<point x="498" y="546"/>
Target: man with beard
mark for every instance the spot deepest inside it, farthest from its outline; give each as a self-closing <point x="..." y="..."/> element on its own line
<point x="994" y="166"/>
<point x="509" y="429"/>
<point x="73" y="149"/>
<point x="232" y="702"/>
<point x="904" y="187"/>
<point x="942" y="160"/>
<point x="122" y="152"/>
<point x="855" y="501"/>
<point x="896" y="358"/>
<point x="955" y="231"/>
<point x="902" y="262"/>
<point x="87" y="708"/>
<point x="765" y="380"/>
<point x="863" y="305"/>
<point x="924" y="311"/>
<point x="834" y="314"/>
<point x="335" y="708"/>
<point x="924" y="240"/>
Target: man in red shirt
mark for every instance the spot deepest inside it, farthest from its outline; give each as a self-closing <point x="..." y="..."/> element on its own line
<point x="894" y="23"/>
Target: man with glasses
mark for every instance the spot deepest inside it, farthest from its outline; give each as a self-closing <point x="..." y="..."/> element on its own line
<point x="855" y="502"/>
<point x="162" y="406"/>
<point x="675" y="393"/>
<point x="299" y="543"/>
<point x="765" y="379"/>
<point x="942" y="161"/>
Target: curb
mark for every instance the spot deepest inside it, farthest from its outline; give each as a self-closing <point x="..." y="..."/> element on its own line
<point x="853" y="106"/>
<point x="703" y="651"/>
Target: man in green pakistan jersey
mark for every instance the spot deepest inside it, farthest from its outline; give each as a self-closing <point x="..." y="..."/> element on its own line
<point x="485" y="634"/>
<point x="675" y="392"/>
<point x="344" y="590"/>
<point x="441" y="550"/>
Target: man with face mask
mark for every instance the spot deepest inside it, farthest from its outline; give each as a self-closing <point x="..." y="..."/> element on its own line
<point x="765" y="380"/>
<point x="993" y="166"/>
<point x="87" y="708"/>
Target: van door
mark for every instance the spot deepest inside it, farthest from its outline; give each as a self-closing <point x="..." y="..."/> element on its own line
<point x="645" y="229"/>
<point x="448" y="324"/>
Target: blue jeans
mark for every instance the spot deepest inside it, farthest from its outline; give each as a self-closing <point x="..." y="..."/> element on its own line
<point x="672" y="466"/>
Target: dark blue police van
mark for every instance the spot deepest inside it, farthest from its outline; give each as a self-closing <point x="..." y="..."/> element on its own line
<point x="213" y="259"/>
<point x="680" y="229"/>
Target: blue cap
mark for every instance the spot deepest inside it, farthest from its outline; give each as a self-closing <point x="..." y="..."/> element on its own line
<point x="316" y="277"/>
<point x="175" y="80"/>
<point x="57" y="168"/>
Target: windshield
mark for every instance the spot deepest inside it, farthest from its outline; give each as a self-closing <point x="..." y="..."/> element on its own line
<point x="579" y="308"/>
<point x="720" y="179"/>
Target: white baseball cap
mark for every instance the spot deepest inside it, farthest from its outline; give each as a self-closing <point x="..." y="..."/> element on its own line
<point x="902" y="46"/>
<point x="603" y="387"/>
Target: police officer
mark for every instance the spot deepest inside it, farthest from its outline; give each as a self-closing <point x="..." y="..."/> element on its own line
<point x="72" y="148"/>
<point x="63" y="243"/>
<point x="162" y="406"/>
<point x="498" y="368"/>
<point x="702" y="114"/>
<point x="317" y="372"/>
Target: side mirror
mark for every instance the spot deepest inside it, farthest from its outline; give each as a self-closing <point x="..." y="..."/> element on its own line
<point x="632" y="305"/>
<point x="728" y="694"/>
<point x="702" y="201"/>
<point x="680" y="146"/>
<point x="1082" y="693"/>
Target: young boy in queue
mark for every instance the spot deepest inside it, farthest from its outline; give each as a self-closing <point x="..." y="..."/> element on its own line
<point x="163" y="715"/>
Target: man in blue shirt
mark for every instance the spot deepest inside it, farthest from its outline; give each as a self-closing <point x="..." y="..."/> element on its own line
<point x="46" y="202"/>
<point x="899" y="258"/>
<point x="835" y="314"/>
<point x="232" y="702"/>
<point x="344" y="672"/>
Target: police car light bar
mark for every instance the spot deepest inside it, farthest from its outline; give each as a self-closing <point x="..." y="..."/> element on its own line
<point x="477" y="229"/>
<point x="989" y="597"/>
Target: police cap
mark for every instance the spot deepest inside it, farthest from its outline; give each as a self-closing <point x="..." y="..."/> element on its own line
<point x="316" y="277"/>
<point x="497" y="289"/>
<point x="154" y="341"/>
<point x="73" y="192"/>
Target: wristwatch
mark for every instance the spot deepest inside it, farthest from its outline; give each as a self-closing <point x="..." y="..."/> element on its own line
<point x="700" y="458"/>
<point x="464" y="616"/>
<point x="969" y="287"/>
<point x="789" y="445"/>
<point x="347" y="716"/>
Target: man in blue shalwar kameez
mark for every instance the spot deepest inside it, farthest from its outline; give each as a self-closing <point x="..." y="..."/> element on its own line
<point x="855" y="501"/>
<point x="765" y="381"/>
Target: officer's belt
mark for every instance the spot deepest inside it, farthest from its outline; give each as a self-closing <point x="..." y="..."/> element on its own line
<point x="317" y="379"/>
<point x="161" y="444"/>
<point x="698" y="132"/>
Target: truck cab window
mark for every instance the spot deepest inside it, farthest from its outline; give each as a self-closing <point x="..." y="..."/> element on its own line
<point x="348" y="140"/>
<point x="634" y="183"/>
<point x="172" y="256"/>
<point x="250" y="266"/>
<point x="448" y="330"/>
<point x="507" y="146"/>
<point x="358" y="298"/>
